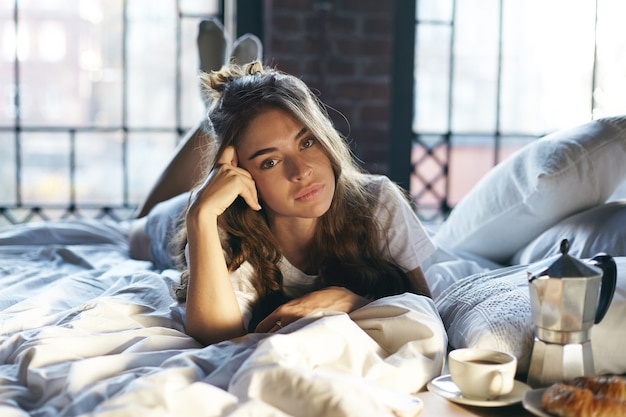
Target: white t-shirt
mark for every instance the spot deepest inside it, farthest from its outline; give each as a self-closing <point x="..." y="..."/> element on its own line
<point x="408" y="242"/>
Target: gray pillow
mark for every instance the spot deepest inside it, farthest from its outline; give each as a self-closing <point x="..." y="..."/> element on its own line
<point x="599" y="229"/>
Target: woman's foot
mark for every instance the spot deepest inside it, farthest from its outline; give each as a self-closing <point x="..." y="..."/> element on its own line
<point x="213" y="44"/>
<point x="247" y="48"/>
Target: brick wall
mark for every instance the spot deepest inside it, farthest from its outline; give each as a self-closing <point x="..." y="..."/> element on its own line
<point x="343" y="49"/>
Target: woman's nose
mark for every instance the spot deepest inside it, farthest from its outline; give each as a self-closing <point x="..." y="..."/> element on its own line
<point x="299" y="169"/>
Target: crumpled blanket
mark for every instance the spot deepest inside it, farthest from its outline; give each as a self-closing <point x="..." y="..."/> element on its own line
<point x="85" y="331"/>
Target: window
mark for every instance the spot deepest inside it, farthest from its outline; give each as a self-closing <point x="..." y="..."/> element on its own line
<point x="87" y="87"/>
<point x="492" y="75"/>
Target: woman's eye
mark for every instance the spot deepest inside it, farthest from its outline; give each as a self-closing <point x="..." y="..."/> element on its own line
<point x="268" y="163"/>
<point x="307" y="143"/>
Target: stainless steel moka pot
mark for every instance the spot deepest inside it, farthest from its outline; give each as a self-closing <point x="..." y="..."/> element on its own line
<point x="567" y="297"/>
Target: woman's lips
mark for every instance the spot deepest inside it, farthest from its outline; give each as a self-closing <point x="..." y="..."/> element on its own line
<point x="310" y="192"/>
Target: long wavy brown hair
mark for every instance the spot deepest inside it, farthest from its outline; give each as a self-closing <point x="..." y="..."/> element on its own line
<point x="348" y="237"/>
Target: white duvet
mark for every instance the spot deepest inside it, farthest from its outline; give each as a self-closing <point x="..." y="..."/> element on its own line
<point x="84" y="330"/>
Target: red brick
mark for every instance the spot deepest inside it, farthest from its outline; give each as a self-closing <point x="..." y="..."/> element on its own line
<point x="342" y="67"/>
<point x="292" y="5"/>
<point x="374" y="113"/>
<point x="361" y="90"/>
<point x="288" y="65"/>
<point x="287" y="24"/>
<point x="346" y="54"/>
<point x="343" y="25"/>
<point x="365" y="47"/>
<point x="368" y="6"/>
<point x="376" y="68"/>
<point x="380" y="25"/>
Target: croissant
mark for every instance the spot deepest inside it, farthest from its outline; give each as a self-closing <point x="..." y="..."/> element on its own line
<point x="610" y="386"/>
<point x="570" y="401"/>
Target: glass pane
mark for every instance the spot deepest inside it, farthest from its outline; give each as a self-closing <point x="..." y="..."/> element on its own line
<point x="432" y="80"/>
<point x="195" y="7"/>
<point x="45" y="161"/>
<point x="142" y="171"/>
<point x="7" y="70"/>
<point x="8" y="181"/>
<point x="106" y="80"/>
<point x="192" y="106"/>
<point x="427" y="183"/>
<point x="547" y="72"/>
<point x="470" y="158"/>
<point x="70" y="71"/>
<point x="151" y="61"/>
<point x="437" y="10"/>
<point x="611" y="54"/>
<point x="475" y="66"/>
<point x="99" y="170"/>
<point x="73" y="58"/>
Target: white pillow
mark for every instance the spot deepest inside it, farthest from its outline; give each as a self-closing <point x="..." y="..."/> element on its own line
<point x="492" y="311"/>
<point x="599" y="229"/>
<point x="543" y="183"/>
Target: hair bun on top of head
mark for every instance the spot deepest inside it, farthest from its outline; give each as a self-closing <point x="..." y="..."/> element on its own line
<point x="215" y="82"/>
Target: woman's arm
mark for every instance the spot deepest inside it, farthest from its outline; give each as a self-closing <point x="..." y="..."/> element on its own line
<point x="213" y="313"/>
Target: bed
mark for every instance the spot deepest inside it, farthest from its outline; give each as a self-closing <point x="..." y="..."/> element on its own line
<point x="86" y="330"/>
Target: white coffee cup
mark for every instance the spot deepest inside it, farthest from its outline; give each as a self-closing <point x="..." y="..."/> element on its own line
<point x="482" y="374"/>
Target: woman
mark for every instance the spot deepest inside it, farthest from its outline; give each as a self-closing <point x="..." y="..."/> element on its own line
<point x="284" y="223"/>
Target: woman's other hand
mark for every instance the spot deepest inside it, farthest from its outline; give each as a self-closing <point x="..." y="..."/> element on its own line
<point x="328" y="299"/>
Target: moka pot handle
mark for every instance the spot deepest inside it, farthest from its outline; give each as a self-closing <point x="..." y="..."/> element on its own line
<point x="609" y="277"/>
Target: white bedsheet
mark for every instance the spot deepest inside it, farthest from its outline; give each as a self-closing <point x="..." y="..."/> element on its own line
<point x="84" y="330"/>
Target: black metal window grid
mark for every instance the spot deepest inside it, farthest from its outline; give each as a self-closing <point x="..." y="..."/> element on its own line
<point x="488" y="78"/>
<point x="70" y="155"/>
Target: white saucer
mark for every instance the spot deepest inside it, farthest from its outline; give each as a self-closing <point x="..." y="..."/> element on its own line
<point x="444" y="386"/>
<point x="532" y="402"/>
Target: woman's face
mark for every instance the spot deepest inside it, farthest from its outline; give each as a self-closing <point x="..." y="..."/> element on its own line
<point x="293" y="174"/>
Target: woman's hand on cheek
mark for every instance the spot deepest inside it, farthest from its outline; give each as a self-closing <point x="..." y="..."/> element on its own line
<point x="328" y="299"/>
<point x="223" y="185"/>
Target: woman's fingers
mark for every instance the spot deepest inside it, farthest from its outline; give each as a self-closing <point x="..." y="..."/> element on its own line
<point x="337" y="299"/>
<point x="273" y="323"/>
<point x="228" y="157"/>
<point x="248" y="192"/>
